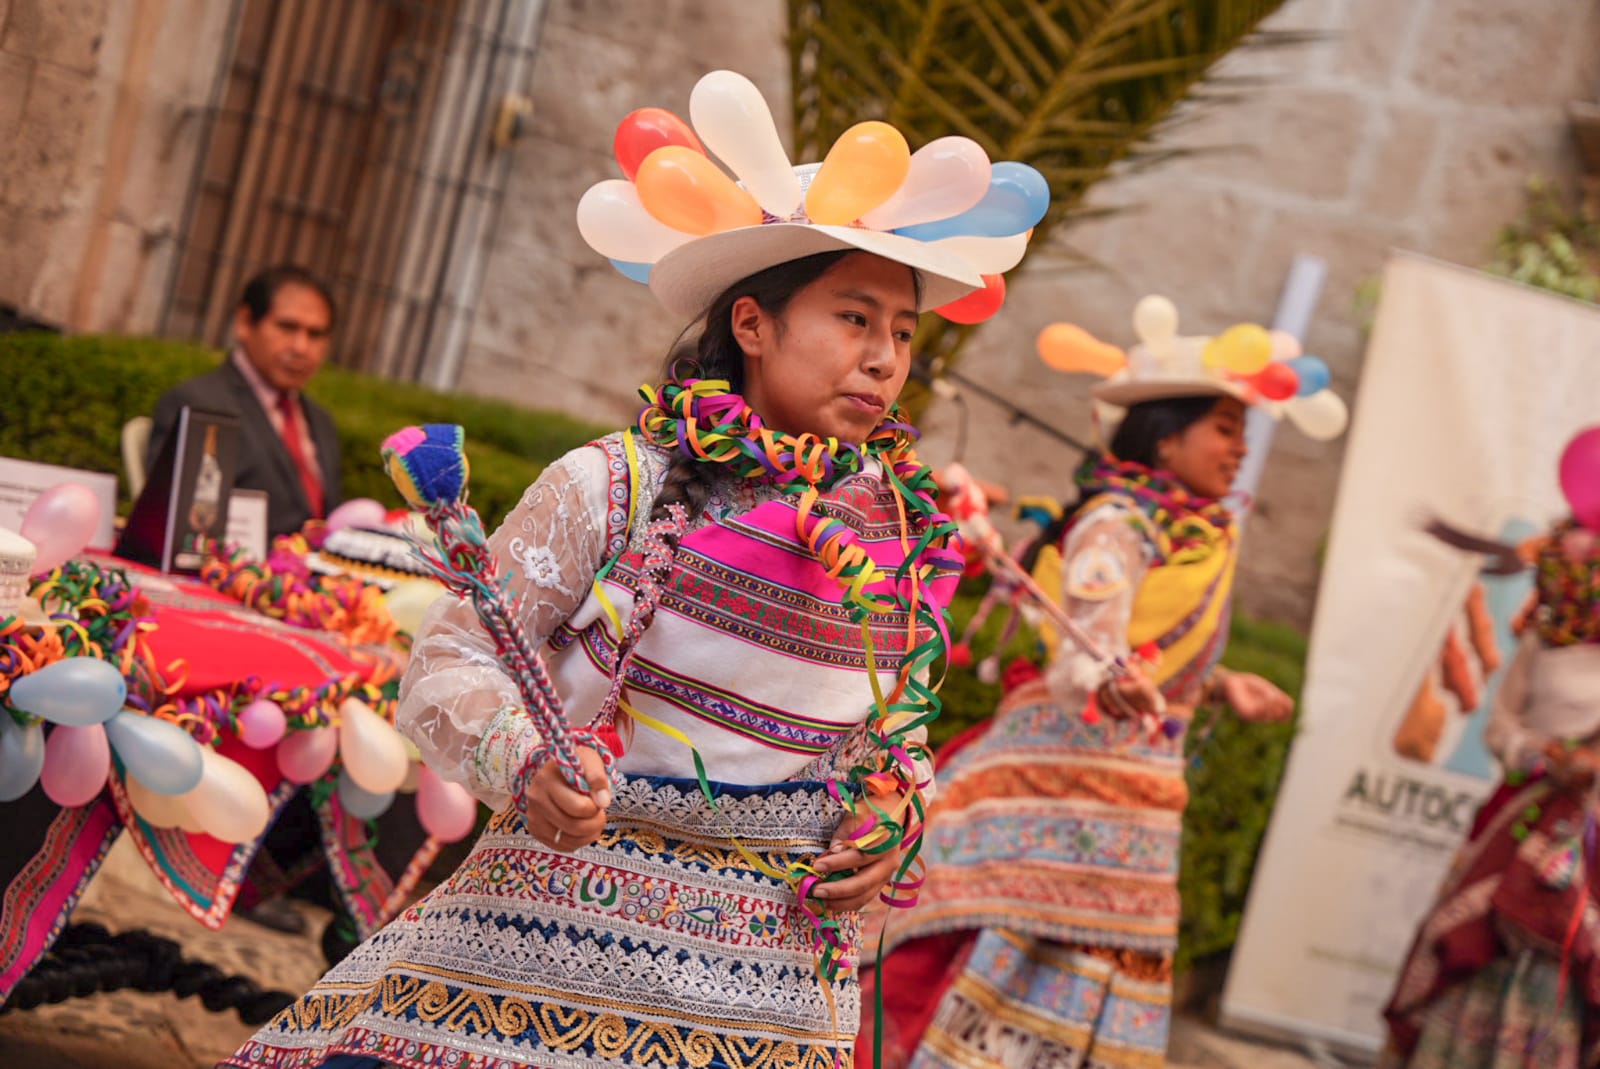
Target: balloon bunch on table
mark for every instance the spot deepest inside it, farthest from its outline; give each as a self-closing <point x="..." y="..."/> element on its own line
<point x="1263" y="366"/>
<point x="946" y="194"/>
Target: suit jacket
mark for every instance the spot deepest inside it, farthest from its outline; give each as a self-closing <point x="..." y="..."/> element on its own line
<point x="264" y="461"/>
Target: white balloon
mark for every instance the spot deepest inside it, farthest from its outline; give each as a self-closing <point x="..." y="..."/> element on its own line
<point x="408" y="600"/>
<point x="948" y="175"/>
<point x="373" y="752"/>
<point x="158" y="810"/>
<point x="229" y="803"/>
<point x="1321" y="417"/>
<point x="1155" y="320"/>
<point x="613" y="220"/>
<point x="987" y="256"/>
<point x="732" y="120"/>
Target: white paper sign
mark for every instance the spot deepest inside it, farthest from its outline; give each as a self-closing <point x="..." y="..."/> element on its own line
<point x="23" y="480"/>
<point x="1471" y="388"/>
<point x="247" y="522"/>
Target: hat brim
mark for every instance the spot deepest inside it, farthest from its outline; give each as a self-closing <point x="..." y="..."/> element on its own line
<point x="1125" y="393"/>
<point x="689" y="278"/>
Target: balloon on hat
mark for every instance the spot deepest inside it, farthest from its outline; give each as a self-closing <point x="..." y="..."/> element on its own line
<point x="161" y="754"/>
<point x="946" y="177"/>
<point x="633" y="272"/>
<point x="1276" y="382"/>
<point x="732" y="117"/>
<point x="1155" y="320"/>
<point x="1015" y="202"/>
<point x="643" y="131"/>
<point x="1285" y="346"/>
<point x="688" y="192"/>
<point x="863" y="169"/>
<point x="1580" y="477"/>
<point x="21" y="756"/>
<point x="75" y="691"/>
<point x="1313" y="374"/>
<point x="1243" y="349"/>
<point x="1068" y="347"/>
<point x="77" y="761"/>
<point x="615" y="223"/>
<point x="60" y="522"/>
<point x="987" y="256"/>
<point x="1321" y="417"/>
<point x="978" y="305"/>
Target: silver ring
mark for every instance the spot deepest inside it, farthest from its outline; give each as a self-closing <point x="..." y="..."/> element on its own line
<point x="557" y="840"/>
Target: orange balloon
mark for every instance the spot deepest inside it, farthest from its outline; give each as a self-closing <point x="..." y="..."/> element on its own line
<point x="688" y="192"/>
<point x="863" y="169"/>
<point x="1068" y="347"/>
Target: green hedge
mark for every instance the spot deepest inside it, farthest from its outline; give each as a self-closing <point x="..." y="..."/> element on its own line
<point x="66" y="400"/>
<point x="68" y="397"/>
<point x="1233" y="775"/>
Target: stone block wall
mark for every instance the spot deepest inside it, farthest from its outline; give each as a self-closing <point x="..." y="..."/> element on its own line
<point x="100" y="108"/>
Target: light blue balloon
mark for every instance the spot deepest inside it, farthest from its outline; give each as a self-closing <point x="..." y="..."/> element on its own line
<point x="637" y="272"/>
<point x="21" y="757"/>
<point x="360" y="802"/>
<point x="158" y="753"/>
<point x="77" y="691"/>
<point x="1314" y="375"/>
<point x="1017" y="199"/>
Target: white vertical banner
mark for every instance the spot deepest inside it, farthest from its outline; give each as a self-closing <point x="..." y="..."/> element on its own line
<point x="1472" y="386"/>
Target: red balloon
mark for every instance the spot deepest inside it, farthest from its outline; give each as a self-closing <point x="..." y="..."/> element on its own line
<point x="642" y="132"/>
<point x="1276" y="382"/>
<point x="978" y="305"/>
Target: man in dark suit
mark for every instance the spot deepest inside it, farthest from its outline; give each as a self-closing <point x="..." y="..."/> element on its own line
<point x="288" y="444"/>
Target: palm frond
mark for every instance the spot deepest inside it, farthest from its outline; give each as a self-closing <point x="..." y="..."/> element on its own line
<point x="1071" y="87"/>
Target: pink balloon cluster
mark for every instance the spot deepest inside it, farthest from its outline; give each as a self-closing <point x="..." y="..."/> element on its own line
<point x="59" y="523"/>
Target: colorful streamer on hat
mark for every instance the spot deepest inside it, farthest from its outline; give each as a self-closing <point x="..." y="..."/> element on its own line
<point x="429" y="468"/>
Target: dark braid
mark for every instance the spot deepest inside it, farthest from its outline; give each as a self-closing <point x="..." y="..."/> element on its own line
<point x="87" y="959"/>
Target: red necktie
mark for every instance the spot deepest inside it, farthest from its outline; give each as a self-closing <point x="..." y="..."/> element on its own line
<point x="309" y="478"/>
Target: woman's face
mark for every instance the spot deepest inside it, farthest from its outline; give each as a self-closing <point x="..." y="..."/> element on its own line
<point x="1205" y="456"/>
<point x="835" y="359"/>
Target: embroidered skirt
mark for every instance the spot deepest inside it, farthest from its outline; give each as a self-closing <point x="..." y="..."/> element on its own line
<point x="660" y="945"/>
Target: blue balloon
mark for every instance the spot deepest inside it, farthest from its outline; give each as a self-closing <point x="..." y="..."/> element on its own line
<point x="1314" y="375"/>
<point x="77" y="691"/>
<point x="21" y="756"/>
<point x="360" y="802"/>
<point x="158" y="753"/>
<point x="1017" y="199"/>
<point x="637" y="272"/>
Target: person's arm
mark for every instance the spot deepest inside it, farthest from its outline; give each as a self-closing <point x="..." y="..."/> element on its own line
<point x="1507" y="735"/>
<point x="458" y="701"/>
<point x="1103" y="562"/>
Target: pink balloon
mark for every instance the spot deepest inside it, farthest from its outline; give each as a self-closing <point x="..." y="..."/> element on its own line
<point x="357" y="512"/>
<point x="261" y="724"/>
<point x="1580" y="477"/>
<point x="60" y="523"/>
<point x="447" y="812"/>
<point x="304" y="756"/>
<point x="76" y="763"/>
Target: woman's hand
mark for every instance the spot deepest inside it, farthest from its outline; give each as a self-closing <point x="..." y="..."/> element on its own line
<point x="1132" y="694"/>
<point x="868" y="872"/>
<point x="565" y="819"/>
<point x="1253" y="698"/>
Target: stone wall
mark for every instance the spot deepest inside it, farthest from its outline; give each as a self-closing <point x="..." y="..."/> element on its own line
<point x="1410" y="125"/>
<point x="555" y="324"/>
<point x="100" y="106"/>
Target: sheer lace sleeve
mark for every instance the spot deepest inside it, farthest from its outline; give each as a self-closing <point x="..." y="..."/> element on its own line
<point x="1507" y="735"/>
<point x="458" y="702"/>
<point x="1102" y="565"/>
